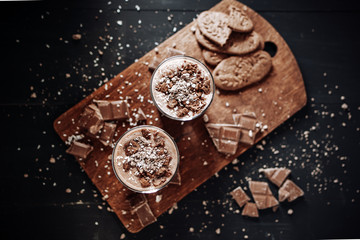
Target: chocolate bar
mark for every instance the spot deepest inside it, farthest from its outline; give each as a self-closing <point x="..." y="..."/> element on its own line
<point x="176" y="179"/>
<point x="250" y="210"/>
<point x="79" y="149"/>
<point x="276" y="175"/>
<point x="107" y="133"/>
<point x="113" y="110"/>
<point x="290" y="191"/>
<point x="91" y="119"/>
<point x="240" y="196"/>
<point x="262" y="195"/>
<point x="145" y="214"/>
<point x="140" y="116"/>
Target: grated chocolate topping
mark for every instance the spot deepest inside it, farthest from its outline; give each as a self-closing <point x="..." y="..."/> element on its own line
<point x="148" y="157"/>
<point x="184" y="88"/>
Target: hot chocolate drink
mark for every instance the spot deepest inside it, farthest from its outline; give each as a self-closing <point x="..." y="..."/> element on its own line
<point x="145" y="159"/>
<point x="182" y="88"/>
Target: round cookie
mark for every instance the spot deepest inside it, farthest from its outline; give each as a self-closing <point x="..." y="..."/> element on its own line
<point x="214" y="25"/>
<point x="237" y="44"/>
<point x="213" y="58"/>
<point x="239" y="21"/>
<point x="237" y="72"/>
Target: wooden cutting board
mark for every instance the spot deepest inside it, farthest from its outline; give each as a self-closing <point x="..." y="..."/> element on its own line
<point x="282" y="94"/>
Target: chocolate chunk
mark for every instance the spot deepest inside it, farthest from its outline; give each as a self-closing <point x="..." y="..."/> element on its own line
<point x="290" y="191"/>
<point x="174" y="52"/>
<point x="176" y="179"/>
<point x="131" y="147"/>
<point x="154" y="63"/>
<point x="250" y="210"/>
<point x="146" y="133"/>
<point x="276" y="175"/>
<point x="136" y="200"/>
<point x="245" y="120"/>
<point x="91" y="120"/>
<point x="140" y="116"/>
<point x="247" y="136"/>
<point x="145" y="215"/>
<point x="225" y="138"/>
<point x="107" y="133"/>
<point x="79" y="149"/>
<point x="262" y="195"/>
<point x="113" y="110"/>
<point x="240" y="196"/>
<point x="226" y="146"/>
<point x="144" y="183"/>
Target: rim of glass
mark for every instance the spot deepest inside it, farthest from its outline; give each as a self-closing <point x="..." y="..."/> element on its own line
<point x="171" y="116"/>
<point x="152" y="190"/>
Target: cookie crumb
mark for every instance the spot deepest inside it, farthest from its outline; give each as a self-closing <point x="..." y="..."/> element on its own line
<point x="158" y="198"/>
<point x="76" y="36"/>
<point x="218" y="231"/>
<point x="191" y="229"/>
<point x="122" y="236"/>
<point x="68" y="190"/>
<point x="290" y="211"/>
<point x="52" y="160"/>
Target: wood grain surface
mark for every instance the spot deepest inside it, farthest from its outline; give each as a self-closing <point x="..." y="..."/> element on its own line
<point x="283" y="94"/>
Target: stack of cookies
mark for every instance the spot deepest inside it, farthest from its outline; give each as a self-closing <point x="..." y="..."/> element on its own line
<point x="233" y="48"/>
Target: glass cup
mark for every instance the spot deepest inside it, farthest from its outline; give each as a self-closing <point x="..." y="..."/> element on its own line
<point x="145" y="159"/>
<point x="182" y="88"/>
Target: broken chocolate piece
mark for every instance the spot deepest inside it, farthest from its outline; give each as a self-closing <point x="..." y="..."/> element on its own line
<point x="290" y="191"/>
<point x="240" y="196"/>
<point x="140" y="116"/>
<point x="262" y="195"/>
<point x="154" y="63"/>
<point x="276" y="175"/>
<point x="245" y="120"/>
<point x="113" y="110"/>
<point x="79" y="149"/>
<point x="145" y="215"/>
<point x="250" y="210"/>
<point x="247" y="136"/>
<point x="225" y="138"/>
<point x="91" y="120"/>
<point x="107" y="133"/>
<point x="174" y="52"/>
<point x="176" y="179"/>
<point x="136" y="200"/>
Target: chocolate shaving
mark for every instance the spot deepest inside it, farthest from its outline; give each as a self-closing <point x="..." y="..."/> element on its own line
<point x="250" y="210"/>
<point x="262" y="195"/>
<point x="240" y="196"/>
<point x="79" y="149"/>
<point x="290" y="191"/>
<point x="276" y="175"/>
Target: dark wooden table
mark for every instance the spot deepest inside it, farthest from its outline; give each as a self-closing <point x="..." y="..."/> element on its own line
<point x="46" y="195"/>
